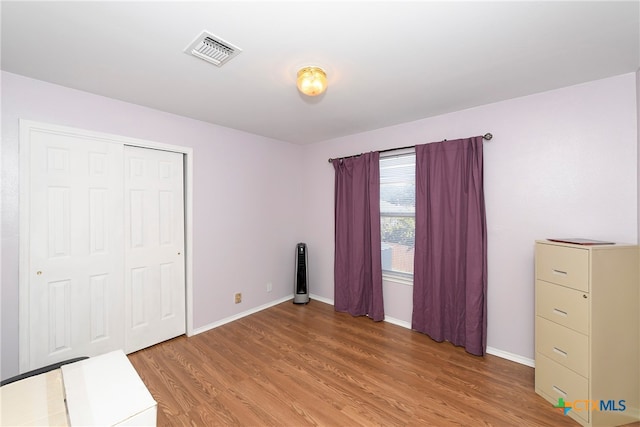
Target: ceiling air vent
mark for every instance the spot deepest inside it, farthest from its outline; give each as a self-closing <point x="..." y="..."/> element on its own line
<point x="212" y="49"/>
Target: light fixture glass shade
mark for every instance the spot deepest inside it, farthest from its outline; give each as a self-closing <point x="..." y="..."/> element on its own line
<point x="312" y="80"/>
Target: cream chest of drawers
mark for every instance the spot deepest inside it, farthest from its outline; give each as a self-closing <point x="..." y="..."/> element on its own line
<point x="587" y="330"/>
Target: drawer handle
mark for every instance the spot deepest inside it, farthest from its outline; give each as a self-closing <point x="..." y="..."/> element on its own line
<point x="560" y="312"/>
<point x="560" y="352"/>
<point x="559" y="272"/>
<point x="559" y="391"/>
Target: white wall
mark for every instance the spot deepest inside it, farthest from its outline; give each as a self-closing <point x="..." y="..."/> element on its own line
<point x="562" y="163"/>
<point x="246" y="189"/>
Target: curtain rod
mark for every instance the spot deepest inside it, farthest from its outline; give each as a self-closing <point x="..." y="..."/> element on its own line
<point x="487" y="137"/>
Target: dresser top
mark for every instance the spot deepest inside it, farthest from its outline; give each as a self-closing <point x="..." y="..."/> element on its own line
<point x="586" y="243"/>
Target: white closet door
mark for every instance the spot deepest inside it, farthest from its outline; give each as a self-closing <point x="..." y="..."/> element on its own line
<point x="75" y="242"/>
<point x="154" y="247"/>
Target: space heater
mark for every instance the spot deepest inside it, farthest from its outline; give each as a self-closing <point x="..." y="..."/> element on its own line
<point x="301" y="287"/>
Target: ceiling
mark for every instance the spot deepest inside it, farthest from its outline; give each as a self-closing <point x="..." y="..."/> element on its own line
<point x="388" y="62"/>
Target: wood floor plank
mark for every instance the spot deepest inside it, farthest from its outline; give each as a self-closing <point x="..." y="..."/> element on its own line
<point x="307" y="365"/>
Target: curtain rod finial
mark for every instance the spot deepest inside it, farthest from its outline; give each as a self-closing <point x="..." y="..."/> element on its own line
<point x="487" y="136"/>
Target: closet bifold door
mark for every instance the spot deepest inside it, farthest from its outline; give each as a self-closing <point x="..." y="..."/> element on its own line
<point x="102" y="262"/>
<point x="75" y="247"/>
<point x="154" y="264"/>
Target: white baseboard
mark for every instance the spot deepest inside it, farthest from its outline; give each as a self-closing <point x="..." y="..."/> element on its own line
<point x="230" y="319"/>
<point x="239" y="316"/>
<point x="321" y="299"/>
<point x="402" y="323"/>
<point x="512" y="357"/>
<point x="397" y="322"/>
<point x="490" y="350"/>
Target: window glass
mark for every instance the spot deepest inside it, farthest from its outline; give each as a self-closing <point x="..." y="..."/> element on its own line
<point x="397" y="213"/>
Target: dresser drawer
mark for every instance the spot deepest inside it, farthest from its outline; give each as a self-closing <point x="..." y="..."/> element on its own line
<point x="554" y="381"/>
<point x="563" y="265"/>
<point x="564" y="306"/>
<point x="563" y="345"/>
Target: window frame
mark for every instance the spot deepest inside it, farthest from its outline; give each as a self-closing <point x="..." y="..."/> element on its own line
<point x="392" y="275"/>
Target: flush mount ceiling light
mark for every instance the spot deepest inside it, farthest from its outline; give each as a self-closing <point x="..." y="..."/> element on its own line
<point x="312" y="80"/>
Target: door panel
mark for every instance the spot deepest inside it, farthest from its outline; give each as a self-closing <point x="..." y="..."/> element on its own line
<point x="75" y="242"/>
<point x="59" y="310"/>
<point x="99" y="307"/>
<point x="154" y="247"/>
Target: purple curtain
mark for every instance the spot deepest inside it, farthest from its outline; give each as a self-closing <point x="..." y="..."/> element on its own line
<point x="358" y="267"/>
<point x="450" y="265"/>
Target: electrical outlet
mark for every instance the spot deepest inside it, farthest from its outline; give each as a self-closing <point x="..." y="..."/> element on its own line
<point x="269" y="287"/>
<point x="238" y="298"/>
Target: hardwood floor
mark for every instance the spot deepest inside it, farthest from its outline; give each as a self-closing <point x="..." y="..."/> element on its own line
<point x="297" y="365"/>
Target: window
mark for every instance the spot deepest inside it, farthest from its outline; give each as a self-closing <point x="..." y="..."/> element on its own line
<point x="398" y="213"/>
